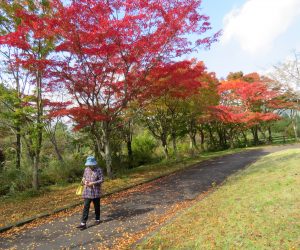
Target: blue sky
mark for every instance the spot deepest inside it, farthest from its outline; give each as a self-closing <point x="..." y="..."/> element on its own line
<point x="257" y="34"/>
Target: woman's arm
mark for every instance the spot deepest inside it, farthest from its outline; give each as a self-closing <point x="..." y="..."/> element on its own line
<point x="99" y="177"/>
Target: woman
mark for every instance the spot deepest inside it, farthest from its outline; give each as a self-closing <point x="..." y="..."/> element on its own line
<point x="92" y="180"/>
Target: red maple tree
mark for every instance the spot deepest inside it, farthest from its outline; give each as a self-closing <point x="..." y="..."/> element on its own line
<point x="165" y="100"/>
<point x="103" y="44"/>
<point x="246" y="104"/>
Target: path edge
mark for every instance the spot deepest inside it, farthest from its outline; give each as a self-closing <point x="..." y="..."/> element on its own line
<point x="75" y="204"/>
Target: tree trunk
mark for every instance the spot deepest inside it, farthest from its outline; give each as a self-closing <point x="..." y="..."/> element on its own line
<point x="193" y="143"/>
<point x="231" y="139"/>
<point x="174" y="144"/>
<point x="211" y="137"/>
<point x="294" y="123"/>
<point x="270" y="139"/>
<point x="2" y="157"/>
<point x="107" y="150"/>
<point x="18" y="129"/>
<point x="263" y="134"/>
<point x="130" y="153"/>
<point x="165" y="147"/>
<point x="192" y="134"/>
<point x="295" y="130"/>
<point x="33" y="154"/>
<point x="35" y="172"/>
<point x="202" y="140"/>
<point x="51" y="131"/>
<point x="18" y="149"/>
<point x="96" y="152"/>
<point x="254" y="131"/>
<point x="108" y="159"/>
<point x="39" y="128"/>
<point x="128" y="139"/>
<point x="222" y="138"/>
<point x="54" y="143"/>
<point x="57" y="151"/>
<point x="245" y="138"/>
<point x="99" y="146"/>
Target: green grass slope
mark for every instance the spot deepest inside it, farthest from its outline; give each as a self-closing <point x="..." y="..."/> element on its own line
<point x="258" y="208"/>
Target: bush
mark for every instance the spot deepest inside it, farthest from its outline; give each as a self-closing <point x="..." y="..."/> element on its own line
<point x="69" y="171"/>
<point x="143" y="147"/>
<point x="14" y="180"/>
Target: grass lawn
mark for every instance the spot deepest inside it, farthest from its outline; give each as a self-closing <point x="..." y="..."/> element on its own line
<point x="258" y="208"/>
<point x="29" y="204"/>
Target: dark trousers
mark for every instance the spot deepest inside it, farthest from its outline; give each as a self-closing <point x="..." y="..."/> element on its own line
<point x="86" y="208"/>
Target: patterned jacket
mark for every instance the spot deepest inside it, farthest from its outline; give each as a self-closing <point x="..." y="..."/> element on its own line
<point x="95" y="176"/>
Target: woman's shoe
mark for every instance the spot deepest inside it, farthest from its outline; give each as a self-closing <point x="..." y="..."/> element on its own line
<point x="82" y="226"/>
<point x="97" y="222"/>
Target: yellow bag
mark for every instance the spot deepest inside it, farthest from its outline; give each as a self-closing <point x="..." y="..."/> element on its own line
<point x="79" y="190"/>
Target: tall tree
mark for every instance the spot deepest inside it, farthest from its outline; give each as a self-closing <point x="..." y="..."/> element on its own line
<point x="170" y="87"/>
<point x="197" y="106"/>
<point x="32" y="39"/>
<point x="108" y="47"/>
<point x="11" y="73"/>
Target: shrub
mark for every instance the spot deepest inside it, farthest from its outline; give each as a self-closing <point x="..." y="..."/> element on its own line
<point x="143" y="147"/>
<point x="67" y="172"/>
<point x="14" y="180"/>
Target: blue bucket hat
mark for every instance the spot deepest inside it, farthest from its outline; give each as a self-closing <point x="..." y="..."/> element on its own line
<point x="90" y="161"/>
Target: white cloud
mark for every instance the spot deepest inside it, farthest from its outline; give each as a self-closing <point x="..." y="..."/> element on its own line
<point x="258" y="23"/>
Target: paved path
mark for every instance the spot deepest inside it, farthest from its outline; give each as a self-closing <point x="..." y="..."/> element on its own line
<point x="135" y="211"/>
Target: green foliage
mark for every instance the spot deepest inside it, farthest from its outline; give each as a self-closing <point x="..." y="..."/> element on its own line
<point x="235" y="75"/>
<point x="53" y="172"/>
<point x="143" y="147"/>
<point x="69" y="171"/>
<point x="284" y="126"/>
<point x="14" y="180"/>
